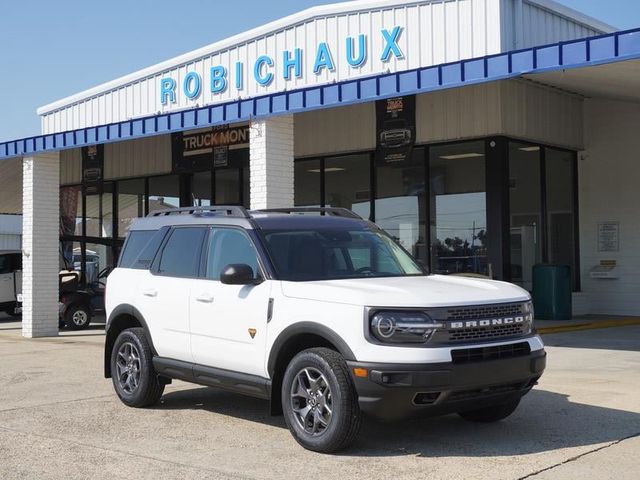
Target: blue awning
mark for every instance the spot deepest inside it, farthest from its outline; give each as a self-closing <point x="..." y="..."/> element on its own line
<point x="603" y="49"/>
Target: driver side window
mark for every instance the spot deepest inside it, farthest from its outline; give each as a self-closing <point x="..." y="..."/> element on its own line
<point x="228" y="246"/>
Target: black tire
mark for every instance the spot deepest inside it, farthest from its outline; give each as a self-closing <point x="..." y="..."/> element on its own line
<point x="343" y="424"/>
<point x="494" y="413"/>
<point x="147" y="389"/>
<point x="77" y="317"/>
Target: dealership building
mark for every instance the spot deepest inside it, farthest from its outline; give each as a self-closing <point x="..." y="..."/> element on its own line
<point x="486" y="136"/>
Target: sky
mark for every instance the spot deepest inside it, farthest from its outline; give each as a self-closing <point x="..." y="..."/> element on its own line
<point x="53" y="49"/>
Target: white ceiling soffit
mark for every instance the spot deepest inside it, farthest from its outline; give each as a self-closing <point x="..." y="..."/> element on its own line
<point x="617" y="81"/>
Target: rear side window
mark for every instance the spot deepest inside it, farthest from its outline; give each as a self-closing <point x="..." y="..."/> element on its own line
<point x="138" y="242"/>
<point x="181" y="254"/>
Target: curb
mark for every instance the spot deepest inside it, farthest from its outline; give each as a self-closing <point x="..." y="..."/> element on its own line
<point x="623" y="322"/>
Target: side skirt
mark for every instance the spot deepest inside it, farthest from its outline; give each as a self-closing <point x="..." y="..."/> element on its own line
<point x="236" y="382"/>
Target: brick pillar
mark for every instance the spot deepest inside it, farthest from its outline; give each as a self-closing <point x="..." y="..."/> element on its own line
<point x="271" y="164"/>
<point x="40" y="244"/>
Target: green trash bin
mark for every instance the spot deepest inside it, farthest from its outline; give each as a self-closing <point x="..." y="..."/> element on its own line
<point x="552" y="292"/>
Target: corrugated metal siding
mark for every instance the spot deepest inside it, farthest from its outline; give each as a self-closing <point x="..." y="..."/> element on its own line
<point x="458" y="113"/>
<point x="133" y="158"/>
<point x="146" y="156"/>
<point x="336" y="130"/>
<point x="434" y="32"/>
<point x="541" y="26"/>
<point x="70" y="166"/>
<point x="538" y="113"/>
<point x="11" y="186"/>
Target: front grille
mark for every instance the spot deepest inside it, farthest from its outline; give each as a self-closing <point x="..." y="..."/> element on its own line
<point x="484" y="311"/>
<point x="497" y="331"/>
<point x="482" y="354"/>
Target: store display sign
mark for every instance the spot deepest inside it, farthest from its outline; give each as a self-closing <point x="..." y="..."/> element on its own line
<point x="609" y="236"/>
<point x="207" y="149"/>
<point x="92" y="169"/>
<point x="395" y="130"/>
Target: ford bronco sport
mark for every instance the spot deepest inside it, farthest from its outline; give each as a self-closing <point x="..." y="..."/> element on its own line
<point x="324" y="315"/>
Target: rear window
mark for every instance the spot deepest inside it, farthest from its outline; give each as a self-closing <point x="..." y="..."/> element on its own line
<point x="140" y="248"/>
<point x="181" y="253"/>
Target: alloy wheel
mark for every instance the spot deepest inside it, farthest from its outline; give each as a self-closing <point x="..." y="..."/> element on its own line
<point x="128" y="367"/>
<point x="311" y="401"/>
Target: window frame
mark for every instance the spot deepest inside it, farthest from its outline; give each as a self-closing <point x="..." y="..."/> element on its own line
<point x="204" y="258"/>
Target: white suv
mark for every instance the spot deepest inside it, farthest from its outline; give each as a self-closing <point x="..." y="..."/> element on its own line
<point x="318" y="311"/>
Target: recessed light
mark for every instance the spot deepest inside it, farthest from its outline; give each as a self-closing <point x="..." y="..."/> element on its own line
<point x="330" y="169"/>
<point x="530" y="149"/>
<point x="461" y="155"/>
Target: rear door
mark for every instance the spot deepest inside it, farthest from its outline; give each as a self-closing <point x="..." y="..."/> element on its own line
<point x="229" y="322"/>
<point x="163" y="292"/>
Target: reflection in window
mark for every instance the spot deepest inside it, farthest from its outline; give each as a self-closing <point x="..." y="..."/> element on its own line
<point x="307" y="177"/>
<point x="201" y="189"/>
<point x="227" y="186"/>
<point x="71" y="211"/>
<point x="525" y="217"/>
<point x="559" y="166"/>
<point x="229" y="246"/>
<point x="459" y="214"/>
<point x="347" y="183"/>
<point x="164" y="192"/>
<point x="100" y="213"/>
<point x="131" y="199"/>
<point x="401" y="204"/>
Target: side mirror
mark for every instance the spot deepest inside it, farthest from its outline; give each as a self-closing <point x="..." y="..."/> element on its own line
<point x="238" y="274"/>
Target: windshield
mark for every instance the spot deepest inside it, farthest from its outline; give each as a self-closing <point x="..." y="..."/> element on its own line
<point x="327" y="254"/>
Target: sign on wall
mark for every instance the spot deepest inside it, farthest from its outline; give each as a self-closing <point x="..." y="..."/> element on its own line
<point x="395" y="130"/>
<point x="207" y="149"/>
<point x="92" y="169"/>
<point x="609" y="236"/>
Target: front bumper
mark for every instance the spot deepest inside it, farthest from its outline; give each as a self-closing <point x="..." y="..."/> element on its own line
<point x="394" y="391"/>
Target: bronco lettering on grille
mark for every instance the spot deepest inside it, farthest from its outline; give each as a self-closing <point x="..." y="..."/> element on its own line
<point x="489" y="322"/>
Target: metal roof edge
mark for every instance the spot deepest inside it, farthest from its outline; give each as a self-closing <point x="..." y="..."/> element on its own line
<point x="574" y="15"/>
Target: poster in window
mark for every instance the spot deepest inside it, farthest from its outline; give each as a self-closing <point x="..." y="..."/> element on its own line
<point x="92" y="169"/>
<point x="609" y="236"/>
<point x="395" y="130"/>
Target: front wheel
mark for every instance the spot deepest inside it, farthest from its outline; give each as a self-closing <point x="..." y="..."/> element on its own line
<point x="492" y="413"/>
<point x="77" y="317"/>
<point x="319" y="401"/>
<point x="134" y="378"/>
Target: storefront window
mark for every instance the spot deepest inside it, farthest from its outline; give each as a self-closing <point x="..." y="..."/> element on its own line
<point x="71" y="211"/>
<point x="201" y="189"/>
<point x="227" y="188"/>
<point x="525" y="211"/>
<point x="164" y="192"/>
<point x="131" y="199"/>
<point x="458" y="209"/>
<point x="307" y="182"/>
<point x="559" y="167"/>
<point x="100" y="213"/>
<point x="347" y="183"/>
<point x="401" y="203"/>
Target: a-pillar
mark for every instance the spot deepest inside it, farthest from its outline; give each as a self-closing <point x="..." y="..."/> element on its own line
<point x="40" y="244"/>
<point x="271" y="163"/>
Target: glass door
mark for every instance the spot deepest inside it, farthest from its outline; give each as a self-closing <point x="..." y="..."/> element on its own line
<point x="458" y="209"/>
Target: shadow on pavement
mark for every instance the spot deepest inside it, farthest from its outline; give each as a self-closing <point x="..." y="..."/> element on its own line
<point x="617" y="338"/>
<point x="545" y="421"/>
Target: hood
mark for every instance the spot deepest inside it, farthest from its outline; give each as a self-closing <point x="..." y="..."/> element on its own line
<point x="427" y="291"/>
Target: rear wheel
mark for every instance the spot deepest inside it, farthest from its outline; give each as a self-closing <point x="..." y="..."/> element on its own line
<point x="319" y="401"/>
<point x="134" y="378"/>
<point x="77" y="317"/>
<point x="490" y="414"/>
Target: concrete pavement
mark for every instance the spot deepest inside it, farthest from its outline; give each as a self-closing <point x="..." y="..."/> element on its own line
<point x="60" y="419"/>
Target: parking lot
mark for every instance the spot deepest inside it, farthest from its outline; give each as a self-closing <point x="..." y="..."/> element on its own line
<point x="59" y="418"/>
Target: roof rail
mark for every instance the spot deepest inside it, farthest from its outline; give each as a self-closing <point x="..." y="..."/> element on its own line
<point x="226" y="210"/>
<point x="335" y="211"/>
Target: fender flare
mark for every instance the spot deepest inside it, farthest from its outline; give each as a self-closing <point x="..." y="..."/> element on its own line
<point x="307" y="328"/>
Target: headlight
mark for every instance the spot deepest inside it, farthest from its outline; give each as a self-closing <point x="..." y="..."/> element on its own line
<point x="529" y="314"/>
<point x="402" y="327"/>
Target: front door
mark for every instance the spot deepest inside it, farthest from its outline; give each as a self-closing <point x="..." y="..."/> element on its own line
<point x="229" y="322"/>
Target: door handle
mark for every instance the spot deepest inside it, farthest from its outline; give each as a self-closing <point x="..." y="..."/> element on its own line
<point x="204" y="298"/>
<point x="150" y="293"/>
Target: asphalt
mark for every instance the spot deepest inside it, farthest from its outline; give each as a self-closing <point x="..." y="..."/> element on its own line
<point x="59" y="418"/>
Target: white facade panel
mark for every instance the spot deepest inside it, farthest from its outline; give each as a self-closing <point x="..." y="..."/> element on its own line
<point x="141" y="157"/>
<point x="431" y="32"/>
<point x="608" y="178"/>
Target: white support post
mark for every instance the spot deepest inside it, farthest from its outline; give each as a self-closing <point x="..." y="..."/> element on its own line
<point x="40" y="244"/>
<point x="271" y="162"/>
